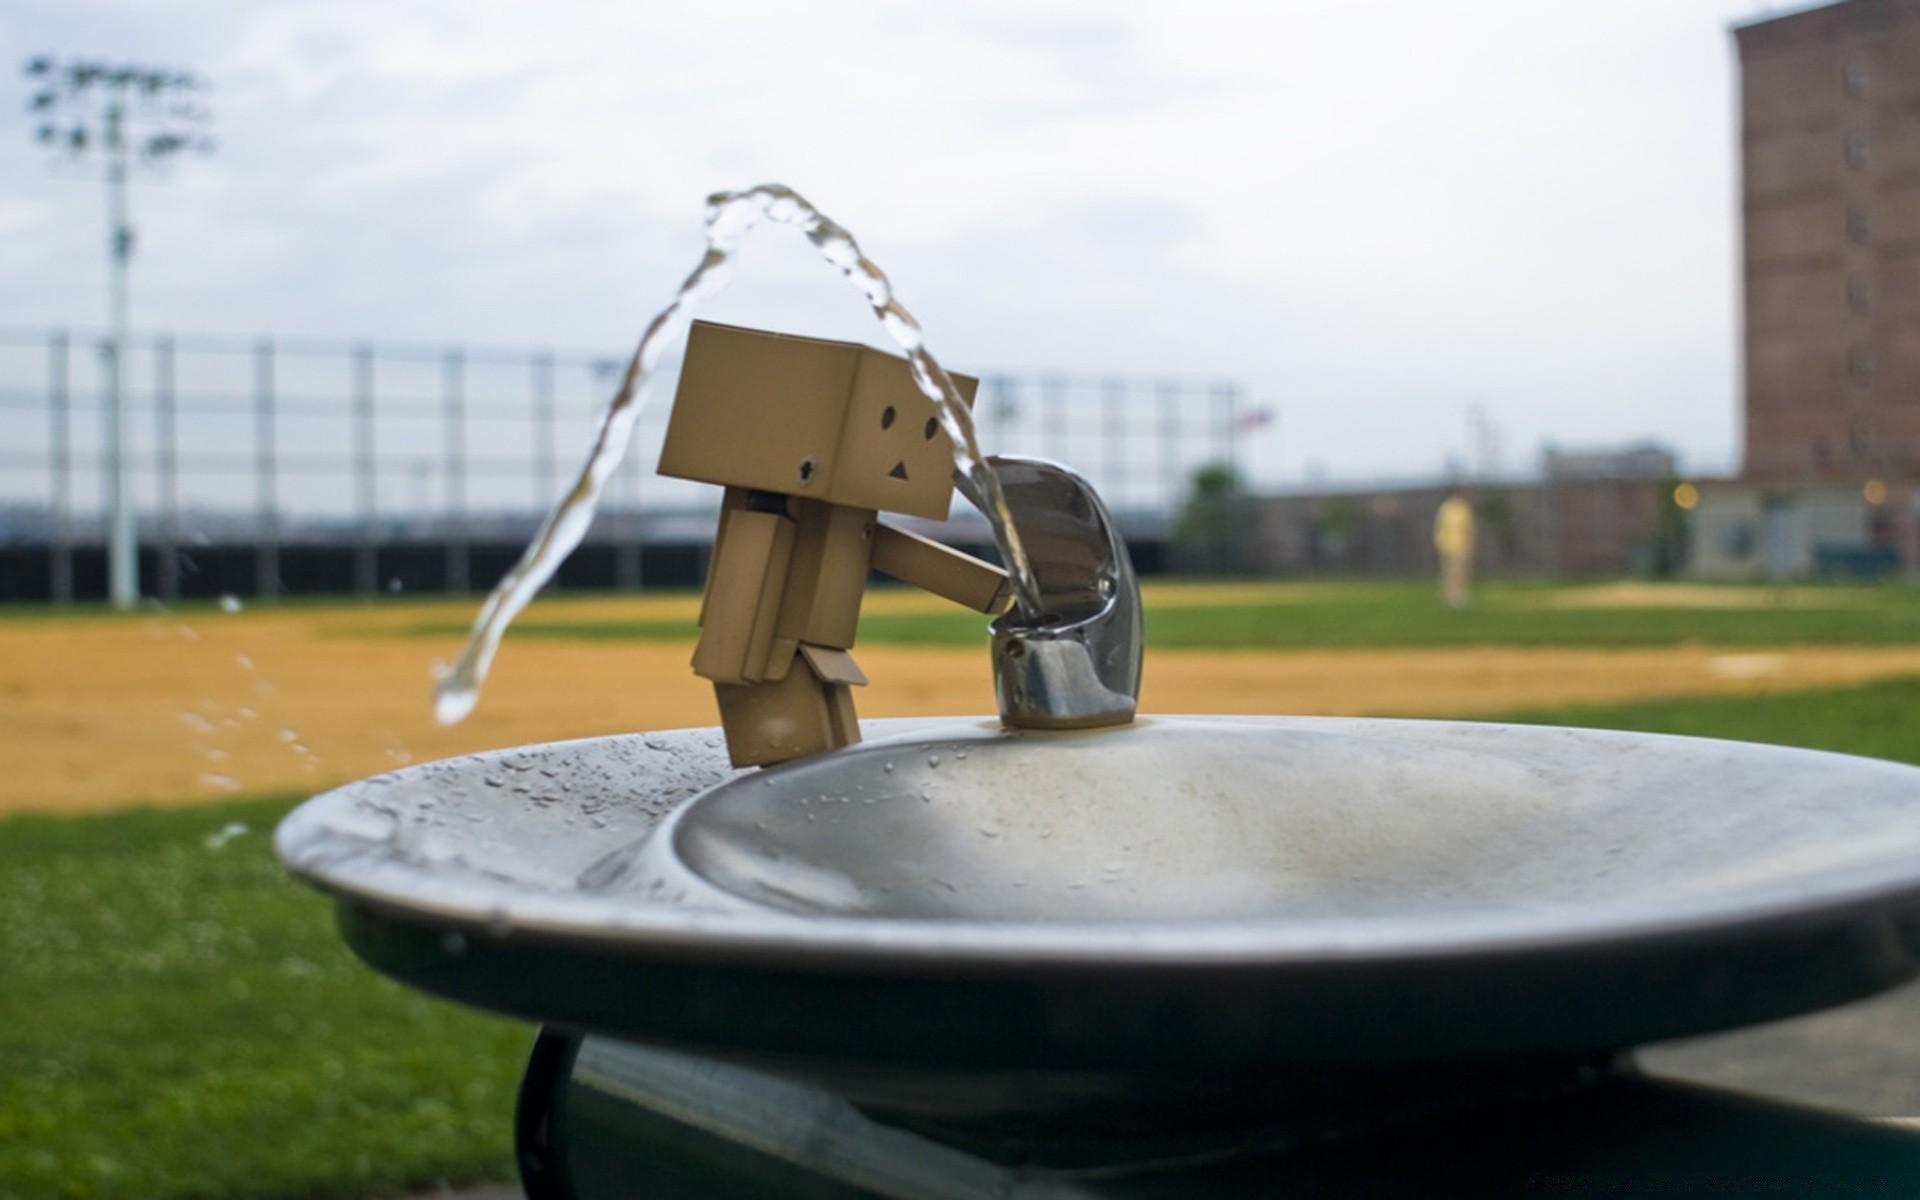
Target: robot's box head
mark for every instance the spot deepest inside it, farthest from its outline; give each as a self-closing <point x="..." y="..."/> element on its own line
<point x="832" y="421"/>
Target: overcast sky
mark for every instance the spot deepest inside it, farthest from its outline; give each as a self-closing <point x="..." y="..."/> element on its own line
<point x="1373" y="215"/>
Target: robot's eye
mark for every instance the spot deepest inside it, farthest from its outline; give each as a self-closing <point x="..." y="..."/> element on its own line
<point x="933" y="427"/>
<point x="886" y="418"/>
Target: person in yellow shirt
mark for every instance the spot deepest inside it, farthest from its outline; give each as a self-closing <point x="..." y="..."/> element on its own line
<point x="1453" y="544"/>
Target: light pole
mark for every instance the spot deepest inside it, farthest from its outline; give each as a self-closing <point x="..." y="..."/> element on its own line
<point x="128" y="115"/>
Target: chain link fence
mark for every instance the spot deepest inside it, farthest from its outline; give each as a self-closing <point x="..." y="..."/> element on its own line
<point x="357" y="458"/>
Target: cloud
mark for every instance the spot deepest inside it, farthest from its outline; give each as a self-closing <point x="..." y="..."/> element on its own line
<point x="1362" y="212"/>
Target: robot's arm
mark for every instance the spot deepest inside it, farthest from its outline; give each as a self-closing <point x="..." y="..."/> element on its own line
<point x="939" y="569"/>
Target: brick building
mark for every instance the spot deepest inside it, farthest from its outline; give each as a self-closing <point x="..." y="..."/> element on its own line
<point x="1830" y="189"/>
<point x="1830" y="137"/>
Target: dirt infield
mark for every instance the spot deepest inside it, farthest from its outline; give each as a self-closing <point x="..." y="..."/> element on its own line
<point x="102" y="712"/>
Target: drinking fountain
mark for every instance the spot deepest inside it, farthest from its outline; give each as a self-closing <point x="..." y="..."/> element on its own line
<point x="1075" y="951"/>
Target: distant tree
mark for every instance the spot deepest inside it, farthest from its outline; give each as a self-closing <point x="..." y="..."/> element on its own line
<point x="1333" y="525"/>
<point x="1210" y="535"/>
<point x="1498" y="518"/>
<point x="1669" y="552"/>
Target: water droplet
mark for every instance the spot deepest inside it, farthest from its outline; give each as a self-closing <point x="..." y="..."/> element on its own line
<point x="224" y="783"/>
<point x="933" y="760"/>
<point x="226" y="834"/>
<point x="494" y="781"/>
<point x="247" y="713"/>
<point x="452" y="704"/>
<point x="992" y="831"/>
<point x="230" y="603"/>
<point x="243" y="662"/>
<point x="453" y="945"/>
<point x="887" y="767"/>
<point x="288" y="735"/>
<point x="393" y="584"/>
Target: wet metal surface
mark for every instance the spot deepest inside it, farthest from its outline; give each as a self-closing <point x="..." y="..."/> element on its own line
<point x="1165" y="898"/>
<point x="1076" y="663"/>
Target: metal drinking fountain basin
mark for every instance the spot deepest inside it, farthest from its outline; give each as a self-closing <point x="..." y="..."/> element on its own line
<point x="1071" y="915"/>
<point x="960" y="920"/>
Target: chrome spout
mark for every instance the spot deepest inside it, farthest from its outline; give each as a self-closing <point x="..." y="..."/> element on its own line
<point x="1077" y="664"/>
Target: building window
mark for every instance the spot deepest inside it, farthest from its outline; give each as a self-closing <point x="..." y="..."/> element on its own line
<point x="1858" y="294"/>
<point x="1856" y="146"/>
<point x="1854" y="79"/>
<point x="1859" y="227"/>
<point x="1860" y="365"/>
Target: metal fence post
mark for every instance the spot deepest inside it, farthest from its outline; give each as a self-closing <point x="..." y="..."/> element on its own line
<point x="266" y="484"/>
<point x="453" y="388"/>
<point x="1053" y="402"/>
<point x="999" y="405"/>
<point x="366" y="555"/>
<point x="1225" y="404"/>
<point x="545" y="456"/>
<point x="627" y="575"/>
<point x="60" y="417"/>
<point x="166" y="471"/>
<point x="1166" y="394"/>
<point x="1113" y="396"/>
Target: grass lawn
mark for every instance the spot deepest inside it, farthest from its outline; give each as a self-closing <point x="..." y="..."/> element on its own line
<point x="1371" y="614"/>
<point x="1879" y="720"/>
<point x="178" y="1018"/>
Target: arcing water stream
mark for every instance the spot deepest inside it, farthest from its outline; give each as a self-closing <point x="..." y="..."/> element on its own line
<point x="730" y="217"/>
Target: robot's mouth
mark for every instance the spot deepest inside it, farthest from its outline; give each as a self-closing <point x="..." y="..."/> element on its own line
<point x="899" y="471"/>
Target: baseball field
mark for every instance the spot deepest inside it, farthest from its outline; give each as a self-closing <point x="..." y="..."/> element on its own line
<point x="179" y="1019"/>
<point x="178" y="707"/>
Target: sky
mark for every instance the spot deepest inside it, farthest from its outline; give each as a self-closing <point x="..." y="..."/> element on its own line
<point x="1377" y="218"/>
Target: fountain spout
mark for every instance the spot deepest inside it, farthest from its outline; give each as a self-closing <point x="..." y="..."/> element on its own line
<point x="1077" y="664"/>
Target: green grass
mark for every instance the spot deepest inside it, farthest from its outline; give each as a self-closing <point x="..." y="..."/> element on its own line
<point x="179" y="1018"/>
<point x="1879" y="720"/>
<point x="1379" y="615"/>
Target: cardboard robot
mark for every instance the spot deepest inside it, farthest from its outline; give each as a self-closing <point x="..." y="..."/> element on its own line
<point x="812" y="439"/>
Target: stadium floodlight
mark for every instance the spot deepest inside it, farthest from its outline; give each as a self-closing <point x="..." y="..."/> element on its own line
<point x="123" y="117"/>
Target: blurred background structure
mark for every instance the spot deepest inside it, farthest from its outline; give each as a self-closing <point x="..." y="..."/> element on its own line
<point x="1830" y="138"/>
<point x="269" y="467"/>
<point x="259" y="466"/>
<point x="125" y="118"/>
